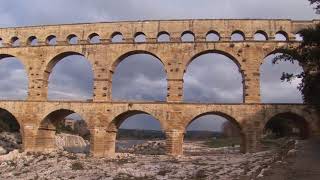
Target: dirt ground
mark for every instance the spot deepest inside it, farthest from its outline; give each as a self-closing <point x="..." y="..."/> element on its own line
<point x="304" y="165"/>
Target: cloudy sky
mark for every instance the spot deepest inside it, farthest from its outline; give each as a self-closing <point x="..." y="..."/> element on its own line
<point x="142" y="77"/>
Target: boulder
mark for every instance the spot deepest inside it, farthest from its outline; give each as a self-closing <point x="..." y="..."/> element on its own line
<point x="72" y="143"/>
<point x="10" y="141"/>
<point x="3" y="151"/>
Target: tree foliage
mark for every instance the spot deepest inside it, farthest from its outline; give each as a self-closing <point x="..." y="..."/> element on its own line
<point x="316" y="3"/>
<point x="308" y="55"/>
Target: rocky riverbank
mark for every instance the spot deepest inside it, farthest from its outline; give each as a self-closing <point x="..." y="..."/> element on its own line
<point x="199" y="162"/>
<point x="9" y="142"/>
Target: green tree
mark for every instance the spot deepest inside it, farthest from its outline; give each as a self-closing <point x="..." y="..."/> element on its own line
<point x="308" y="55"/>
<point x="316" y="3"/>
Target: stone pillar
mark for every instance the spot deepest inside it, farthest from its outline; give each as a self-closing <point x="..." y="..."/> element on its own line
<point x="252" y="139"/>
<point x="252" y="87"/>
<point x="175" y="37"/>
<point x="251" y="71"/>
<point x="37" y="90"/>
<point x="45" y="140"/>
<point x="102" y="76"/>
<point x="102" y="142"/>
<point x="200" y="38"/>
<point x="102" y="90"/>
<point x="174" y="142"/>
<point x="28" y="133"/>
<point x="151" y="40"/>
<point x="175" y="90"/>
<point x="225" y="38"/>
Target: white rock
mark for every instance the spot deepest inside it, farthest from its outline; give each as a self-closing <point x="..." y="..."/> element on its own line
<point x="11" y="156"/>
<point x="71" y="143"/>
<point x="292" y="152"/>
<point x="3" y="151"/>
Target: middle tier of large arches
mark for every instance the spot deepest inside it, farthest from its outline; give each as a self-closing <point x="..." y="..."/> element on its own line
<point x="104" y="59"/>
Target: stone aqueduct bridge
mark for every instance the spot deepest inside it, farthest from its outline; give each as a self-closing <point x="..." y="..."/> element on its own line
<point x="37" y="115"/>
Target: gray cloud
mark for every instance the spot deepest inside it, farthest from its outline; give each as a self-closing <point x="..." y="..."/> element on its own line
<point x="213" y="78"/>
<point x="275" y="91"/>
<point x="71" y="79"/>
<point x="13" y="79"/>
<point x="33" y="12"/>
<point x="140" y="77"/>
<point x="141" y="121"/>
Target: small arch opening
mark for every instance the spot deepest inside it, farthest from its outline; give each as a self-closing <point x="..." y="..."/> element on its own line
<point x="32" y="41"/>
<point x="72" y="39"/>
<point x="237" y="36"/>
<point x="15" y="42"/>
<point x="163" y="37"/>
<point x="1" y="42"/>
<point x="51" y="40"/>
<point x="281" y="36"/>
<point x="117" y="37"/>
<point x="260" y="36"/>
<point x="212" y="36"/>
<point x="187" y="36"/>
<point x="299" y="37"/>
<point x="140" y="37"/>
<point x="94" y="38"/>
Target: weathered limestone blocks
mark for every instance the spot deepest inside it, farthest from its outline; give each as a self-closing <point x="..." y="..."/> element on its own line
<point x="174" y="142"/>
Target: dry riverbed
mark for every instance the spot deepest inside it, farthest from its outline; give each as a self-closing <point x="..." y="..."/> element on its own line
<point x="200" y="162"/>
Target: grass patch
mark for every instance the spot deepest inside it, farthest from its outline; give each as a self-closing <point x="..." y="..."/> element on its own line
<point x="77" y="166"/>
<point x="163" y="172"/>
<point x="223" y="142"/>
<point x="125" y="176"/>
<point x="200" y="174"/>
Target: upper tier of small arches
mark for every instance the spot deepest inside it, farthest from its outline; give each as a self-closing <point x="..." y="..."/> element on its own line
<point x="140" y="37"/>
<point x="152" y="32"/>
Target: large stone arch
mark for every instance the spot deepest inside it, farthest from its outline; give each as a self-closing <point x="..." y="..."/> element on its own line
<point x="85" y="113"/>
<point x="303" y="123"/>
<point x="230" y="118"/>
<point x="117" y="119"/>
<point x="51" y="63"/>
<point x="123" y="56"/>
<point x="218" y="113"/>
<point x="264" y="74"/>
<point x="20" y="58"/>
<point x="104" y="139"/>
<point x="310" y="116"/>
<point x="274" y="49"/>
<point x="46" y="128"/>
<point x="16" y="126"/>
<point x="21" y="61"/>
<point x="229" y="55"/>
<point x="200" y="52"/>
